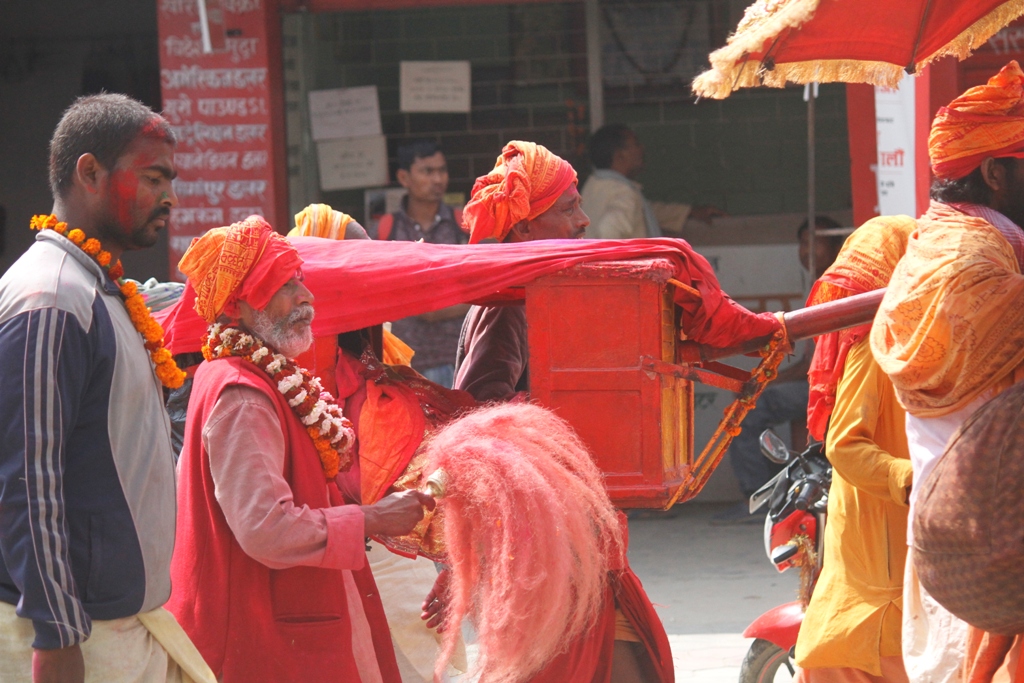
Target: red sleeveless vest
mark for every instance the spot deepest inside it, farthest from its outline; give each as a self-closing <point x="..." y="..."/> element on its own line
<point x="252" y="623"/>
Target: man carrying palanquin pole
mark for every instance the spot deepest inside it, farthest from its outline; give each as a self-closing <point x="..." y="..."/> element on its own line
<point x="269" y="569"/>
<point x="851" y="632"/>
<point x="531" y="195"/>
<point x="950" y="330"/>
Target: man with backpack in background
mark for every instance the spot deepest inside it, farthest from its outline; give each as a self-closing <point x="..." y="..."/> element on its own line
<point x="434" y="336"/>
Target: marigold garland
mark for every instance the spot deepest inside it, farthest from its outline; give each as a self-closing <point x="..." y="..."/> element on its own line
<point x="166" y="370"/>
<point x="329" y="429"/>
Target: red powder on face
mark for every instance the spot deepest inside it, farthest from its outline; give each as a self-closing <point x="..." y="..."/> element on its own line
<point x="155" y="129"/>
<point x="124" y="185"/>
<point x="125" y="179"/>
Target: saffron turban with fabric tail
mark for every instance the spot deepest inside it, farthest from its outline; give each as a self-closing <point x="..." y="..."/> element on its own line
<point x="246" y="261"/>
<point x="320" y="220"/>
<point x="865" y="263"/>
<point x="985" y="121"/>
<point x="526" y="181"/>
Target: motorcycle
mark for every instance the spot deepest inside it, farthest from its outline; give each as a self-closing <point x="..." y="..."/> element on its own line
<point x="797" y="499"/>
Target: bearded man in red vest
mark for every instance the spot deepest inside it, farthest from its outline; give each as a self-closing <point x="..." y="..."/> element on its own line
<point x="269" y="570"/>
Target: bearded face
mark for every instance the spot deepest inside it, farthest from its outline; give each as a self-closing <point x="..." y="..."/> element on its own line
<point x="291" y="334"/>
<point x="139" y="194"/>
<point x="285" y="322"/>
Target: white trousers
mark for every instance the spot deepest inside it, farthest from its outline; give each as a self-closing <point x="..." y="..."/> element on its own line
<point x="934" y="641"/>
<point x="118" y="651"/>
<point x="403" y="584"/>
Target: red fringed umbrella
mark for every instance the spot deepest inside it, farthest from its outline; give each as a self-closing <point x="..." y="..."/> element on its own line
<point x="852" y="41"/>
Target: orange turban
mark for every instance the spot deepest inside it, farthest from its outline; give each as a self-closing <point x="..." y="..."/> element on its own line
<point x="247" y="261"/>
<point x="986" y="121"/>
<point x="526" y="181"/>
<point x="320" y="220"/>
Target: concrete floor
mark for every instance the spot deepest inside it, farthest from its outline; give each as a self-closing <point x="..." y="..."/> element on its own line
<point x="703" y="578"/>
<point x="707" y="583"/>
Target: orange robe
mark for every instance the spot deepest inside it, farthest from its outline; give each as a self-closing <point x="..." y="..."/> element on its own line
<point x="951" y="325"/>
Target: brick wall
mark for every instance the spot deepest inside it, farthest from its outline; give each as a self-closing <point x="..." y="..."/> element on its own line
<point x="746" y="154"/>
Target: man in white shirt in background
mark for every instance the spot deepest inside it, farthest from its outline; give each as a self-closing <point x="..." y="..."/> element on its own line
<point x="614" y="200"/>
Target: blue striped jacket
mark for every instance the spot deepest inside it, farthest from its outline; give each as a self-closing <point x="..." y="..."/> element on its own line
<point x="87" y="501"/>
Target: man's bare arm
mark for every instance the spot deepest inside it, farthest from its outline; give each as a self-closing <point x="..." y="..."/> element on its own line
<point x="396" y="514"/>
<point x="62" y="665"/>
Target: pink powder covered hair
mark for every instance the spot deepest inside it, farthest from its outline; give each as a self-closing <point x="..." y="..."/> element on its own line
<point x="530" y="532"/>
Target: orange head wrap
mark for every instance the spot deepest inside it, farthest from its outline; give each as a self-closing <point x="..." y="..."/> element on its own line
<point x="526" y="181"/>
<point x="247" y="261"/>
<point x="320" y="220"/>
<point x="986" y="121"/>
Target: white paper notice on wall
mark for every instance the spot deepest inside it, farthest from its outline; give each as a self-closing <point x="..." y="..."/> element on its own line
<point x="434" y="86"/>
<point x="344" y="113"/>
<point x="348" y="163"/>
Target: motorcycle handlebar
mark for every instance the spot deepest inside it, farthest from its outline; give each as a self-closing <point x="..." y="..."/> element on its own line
<point x="807" y="496"/>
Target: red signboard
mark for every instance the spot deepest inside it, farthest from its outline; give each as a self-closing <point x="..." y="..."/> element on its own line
<point x="220" y="106"/>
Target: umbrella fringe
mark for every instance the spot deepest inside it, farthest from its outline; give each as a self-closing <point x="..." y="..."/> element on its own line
<point x="712" y="83"/>
<point x="728" y="63"/>
<point x="731" y="70"/>
<point x="979" y="32"/>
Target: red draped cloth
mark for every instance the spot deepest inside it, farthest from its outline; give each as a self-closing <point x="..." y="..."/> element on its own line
<point x="359" y="283"/>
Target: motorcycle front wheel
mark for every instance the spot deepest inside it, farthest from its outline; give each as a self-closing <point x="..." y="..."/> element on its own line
<point x="766" y="662"/>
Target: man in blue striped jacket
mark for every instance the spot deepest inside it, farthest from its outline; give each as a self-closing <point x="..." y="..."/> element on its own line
<point x="87" y="501"/>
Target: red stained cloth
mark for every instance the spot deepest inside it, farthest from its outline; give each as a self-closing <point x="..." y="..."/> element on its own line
<point x="358" y="283"/>
<point x="589" y="657"/>
<point x="634" y="603"/>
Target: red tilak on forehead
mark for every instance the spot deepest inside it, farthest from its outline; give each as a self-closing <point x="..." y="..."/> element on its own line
<point x="154" y="128"/>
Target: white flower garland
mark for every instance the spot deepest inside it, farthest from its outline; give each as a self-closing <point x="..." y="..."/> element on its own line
<point x="322" y="417"/>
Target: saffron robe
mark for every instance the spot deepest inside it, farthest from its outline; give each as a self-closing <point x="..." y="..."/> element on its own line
<point x="854" y="617"/>
<point x="951" y="325"/>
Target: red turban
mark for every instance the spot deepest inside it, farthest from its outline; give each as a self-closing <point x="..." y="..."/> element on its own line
<point x="526" y="181"/>
<point x="986" y="121"/>
<point x="247" y="261"/>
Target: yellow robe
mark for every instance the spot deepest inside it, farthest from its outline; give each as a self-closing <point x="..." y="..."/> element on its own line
<point x="855" y="612"/>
